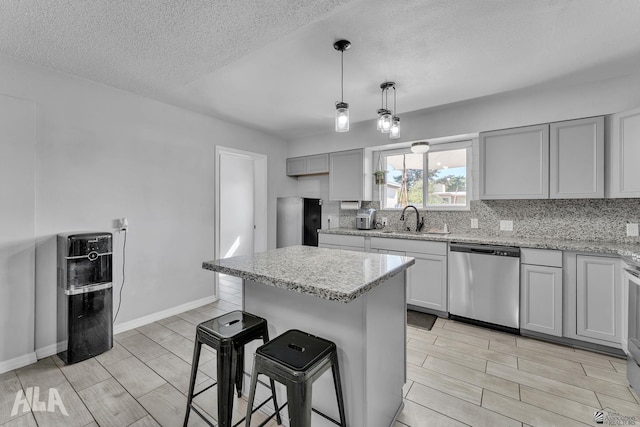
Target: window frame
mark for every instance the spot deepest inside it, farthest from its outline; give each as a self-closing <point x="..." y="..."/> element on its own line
<point x="448" y="146"/>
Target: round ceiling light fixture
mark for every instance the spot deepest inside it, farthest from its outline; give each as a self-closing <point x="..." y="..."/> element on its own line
<point x="420" y="147"/>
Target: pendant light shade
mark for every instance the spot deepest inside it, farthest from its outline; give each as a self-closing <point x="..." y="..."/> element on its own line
<point x="420" y="147"/>
<point x="342" y="117"/>
<point x="342" y="108"/>
<point x="394" y="132"/>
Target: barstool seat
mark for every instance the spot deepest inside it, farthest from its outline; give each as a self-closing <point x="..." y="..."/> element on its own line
<point x="227" y="334"/>
<point x="296" y="359"/>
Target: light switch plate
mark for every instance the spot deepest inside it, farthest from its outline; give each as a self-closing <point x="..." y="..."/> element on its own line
<point x="632" y="230"/>
<point x="506" y="225"/>
<point x="474" y="222"/>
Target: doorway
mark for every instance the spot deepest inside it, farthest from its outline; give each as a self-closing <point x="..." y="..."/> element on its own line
<point x="240" y="212"/>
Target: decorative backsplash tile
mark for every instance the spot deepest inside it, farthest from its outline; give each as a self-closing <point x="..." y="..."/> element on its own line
<point x="583" y="219"/>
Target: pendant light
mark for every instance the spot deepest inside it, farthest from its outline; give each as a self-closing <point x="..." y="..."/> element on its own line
<point x="394" y="131"/>
<point x="388" y="121"/>
<point x="342" y="108"/>
<point x="420" y="147"/>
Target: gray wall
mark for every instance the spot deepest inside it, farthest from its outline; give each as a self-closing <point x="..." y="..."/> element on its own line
<point x="102" y="154"/>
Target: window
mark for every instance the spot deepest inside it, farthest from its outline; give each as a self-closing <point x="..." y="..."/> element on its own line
<point x="447" y="175"/>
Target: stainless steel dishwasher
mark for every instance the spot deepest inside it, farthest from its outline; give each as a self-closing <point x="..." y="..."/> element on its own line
<point x="484" y="284"/>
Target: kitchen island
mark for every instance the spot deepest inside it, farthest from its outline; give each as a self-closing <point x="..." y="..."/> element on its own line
<point x="354" y="299"/>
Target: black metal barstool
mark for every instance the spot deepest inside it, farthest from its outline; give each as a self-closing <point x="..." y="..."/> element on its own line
<point x="296" y="359"/>
<point x="227" y="334"/>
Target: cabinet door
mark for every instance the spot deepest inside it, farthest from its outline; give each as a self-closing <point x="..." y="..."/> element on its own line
<point x="599" y="299"/>
<point x="541" y="299"/>
<point x="427" y="282"/>
<point x="347" y="176"/>
<point x="317" y="164"/>
<point x="624" y="152"/>
<point x="576" y="159"/>
<point x="514" y="163"/>
<point x="295" y="166"/>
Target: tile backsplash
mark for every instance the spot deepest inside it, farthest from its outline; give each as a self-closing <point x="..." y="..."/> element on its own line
<point x="580" y="219"/>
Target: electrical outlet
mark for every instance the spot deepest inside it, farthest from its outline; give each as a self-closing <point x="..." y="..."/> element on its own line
<point x="632" y="230"/>
<point x="474" y="222"/>
<point x="506" y="225"/>
<point x="123" y="224"/>
<point x="384" y="221"/>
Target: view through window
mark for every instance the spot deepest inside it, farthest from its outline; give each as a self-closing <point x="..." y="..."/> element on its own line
<point x="446" y="178"/>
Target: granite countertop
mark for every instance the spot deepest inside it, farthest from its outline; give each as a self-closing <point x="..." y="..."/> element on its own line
<point x="629" y="251"/>
<point x="326" y="273"/>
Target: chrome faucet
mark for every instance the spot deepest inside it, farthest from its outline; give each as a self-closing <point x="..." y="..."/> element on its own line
<point x="419" y="224"/>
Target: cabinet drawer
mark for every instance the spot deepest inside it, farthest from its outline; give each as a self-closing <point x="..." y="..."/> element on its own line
<point x="341" y="239"/>
<point x="419" y="246"/>
<point x="546" y="257"/>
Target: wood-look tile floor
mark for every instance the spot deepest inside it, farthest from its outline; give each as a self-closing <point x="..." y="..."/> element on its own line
<point x="458" y="375"/>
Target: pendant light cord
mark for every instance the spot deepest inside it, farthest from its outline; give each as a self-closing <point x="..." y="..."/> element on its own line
<point x="342" y="75"/>
<point x="394" y="100"/>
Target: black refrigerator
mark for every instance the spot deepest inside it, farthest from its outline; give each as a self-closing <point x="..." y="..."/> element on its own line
<point x="299" y="220"/>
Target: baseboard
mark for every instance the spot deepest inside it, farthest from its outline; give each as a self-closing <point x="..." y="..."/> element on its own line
<point x="144" y="320"/>
<point x="52" y="349"/>
<point x="18" y="362"/>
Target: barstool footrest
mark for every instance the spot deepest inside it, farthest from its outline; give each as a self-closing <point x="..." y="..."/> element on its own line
<point x="203" y="390"/>
<point x="325" y="416"/>
<point x="201" y="415"/>
<point x="253" y="411"/>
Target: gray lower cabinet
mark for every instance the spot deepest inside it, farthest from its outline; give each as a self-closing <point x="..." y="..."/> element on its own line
<point x="427" y="278"/>
<point x="541" y="299"/>
<point x="598" y="298"/>
<point x="428" y="281"/>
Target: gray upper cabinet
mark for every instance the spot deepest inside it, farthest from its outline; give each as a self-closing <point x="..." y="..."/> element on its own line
<point x="576" y="159"/>
<point x="623" y="154"/>
<point x="308" y="165"/>
<point x="514" y="163"/>
<point x="350" y="175"/>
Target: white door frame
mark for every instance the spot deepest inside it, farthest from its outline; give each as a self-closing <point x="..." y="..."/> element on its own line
<point x="260" y="200"/>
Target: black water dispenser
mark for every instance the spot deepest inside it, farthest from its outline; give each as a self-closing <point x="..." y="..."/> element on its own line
<point x="84" y="295"/>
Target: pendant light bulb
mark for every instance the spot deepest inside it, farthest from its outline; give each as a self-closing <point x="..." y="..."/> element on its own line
<point x="394" y="132"/>
<point x="386" y="122"/>
<point x="342" y="117"/>
<point x="342" y="108"/>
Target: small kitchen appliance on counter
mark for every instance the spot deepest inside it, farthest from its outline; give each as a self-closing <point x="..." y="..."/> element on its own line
<point x="366" y="219"/>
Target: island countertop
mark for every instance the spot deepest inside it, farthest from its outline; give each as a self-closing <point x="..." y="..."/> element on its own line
<point x="332" y="274"/>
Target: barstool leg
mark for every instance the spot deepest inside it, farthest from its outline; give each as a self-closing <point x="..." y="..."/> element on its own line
<point x="252" y="394"/>
<point x="265" y="339"/>
<point x="239" y="369"/>
<point x="192" y="380"/>
<point x="226" y="370"/>
<point x="335" y="369"/>
<point x="299" y="398"/>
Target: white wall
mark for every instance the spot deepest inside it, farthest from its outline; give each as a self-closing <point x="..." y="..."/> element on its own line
<point x="102" y="154"/>
<point x="518" y="108"/>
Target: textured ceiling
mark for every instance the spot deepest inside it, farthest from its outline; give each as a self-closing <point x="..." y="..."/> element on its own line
<point x="271" y="64"/>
